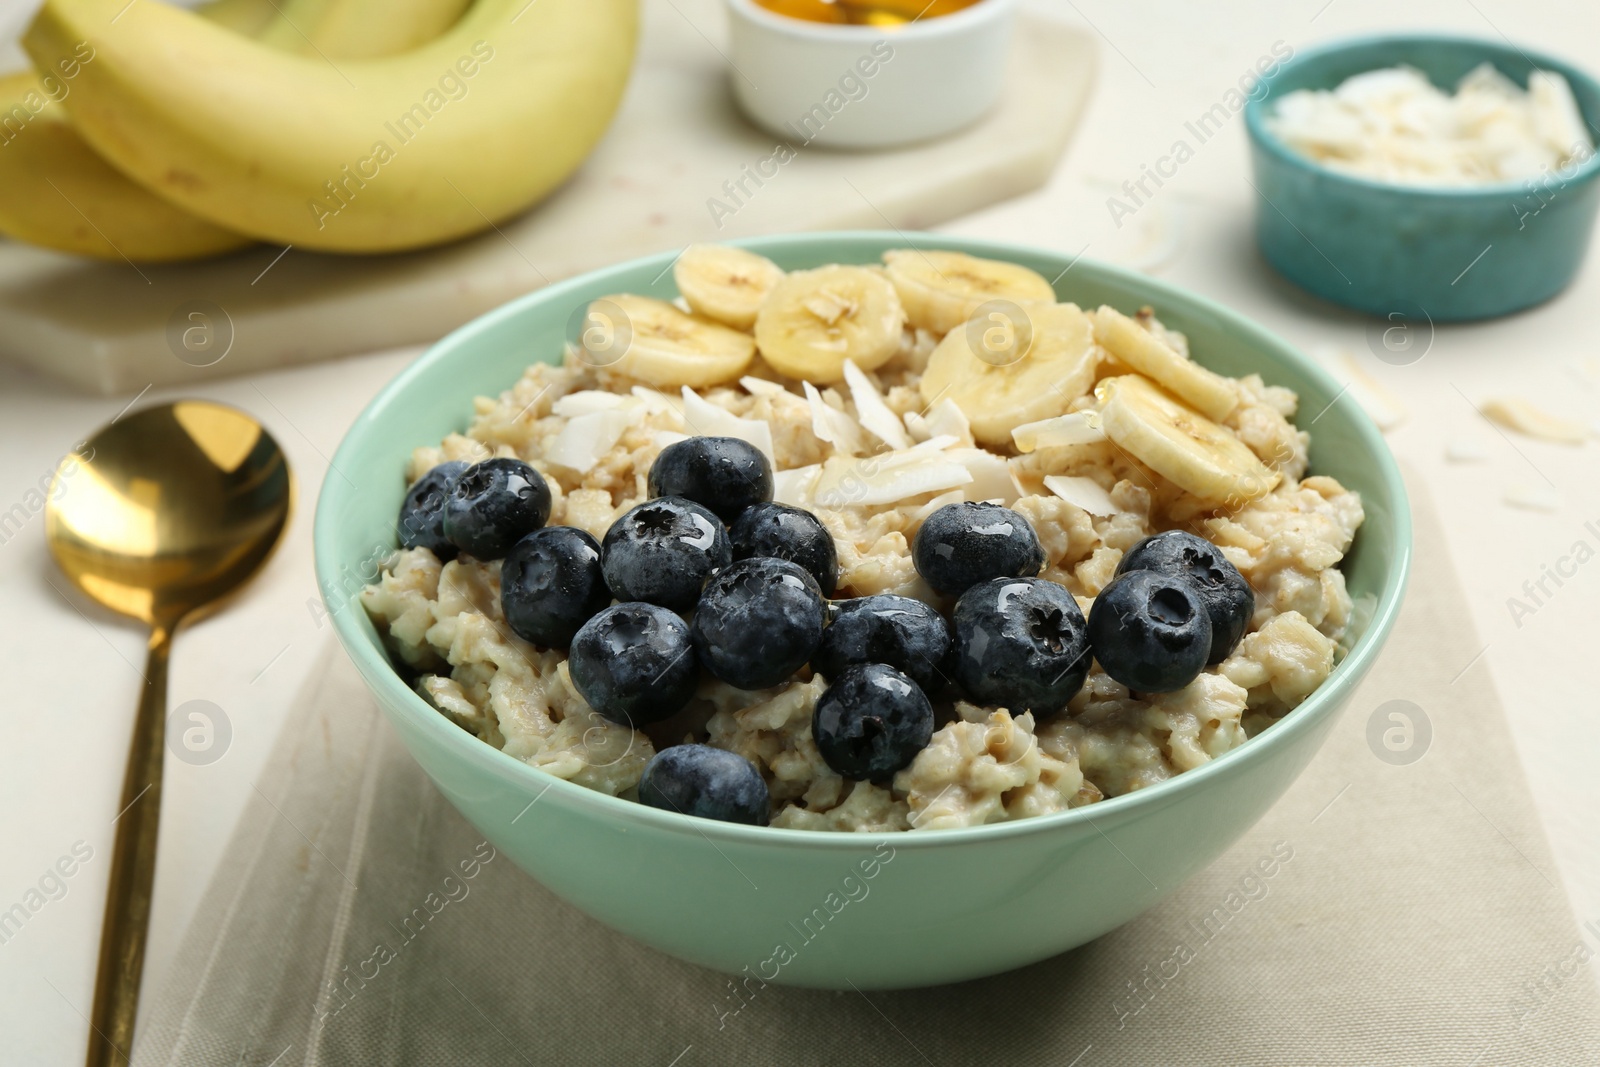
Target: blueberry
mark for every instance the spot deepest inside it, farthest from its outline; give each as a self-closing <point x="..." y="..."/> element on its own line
<point x="724" y="474"/>
<point x="1150" y="631"/>
<point x="493" y="504"/>
<point x="871" y="722"/>
<point x="633" y="663"/>
<point x="663" y="551"/>
<point x="963" y="544"/>
<point x="421" y="522"/>
<point x="777" y="530"/>
<point x="550" y="584"/>
<point x="758" y="622"/>
<point x="906" y="634"/>
<point x="708" y="782"/>
<point x="1229" y="600"/>
<point x="1021" y="644"/>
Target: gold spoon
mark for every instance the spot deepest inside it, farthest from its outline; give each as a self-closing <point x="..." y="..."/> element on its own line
<point x="159" y="515"/>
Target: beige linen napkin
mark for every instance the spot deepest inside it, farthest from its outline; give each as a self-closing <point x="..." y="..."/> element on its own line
<point x="1390" y="909"/>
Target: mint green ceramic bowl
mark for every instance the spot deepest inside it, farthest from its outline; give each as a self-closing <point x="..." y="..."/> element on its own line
<point x="807" y="908"/>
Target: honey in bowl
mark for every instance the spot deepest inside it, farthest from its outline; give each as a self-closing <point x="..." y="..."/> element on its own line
<point x="887" y="13"/>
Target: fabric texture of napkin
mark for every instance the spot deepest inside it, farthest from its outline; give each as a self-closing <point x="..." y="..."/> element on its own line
<point x="1412" y="915"/>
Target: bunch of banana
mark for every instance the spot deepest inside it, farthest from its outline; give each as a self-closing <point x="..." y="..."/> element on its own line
<point x="343" y="125"/>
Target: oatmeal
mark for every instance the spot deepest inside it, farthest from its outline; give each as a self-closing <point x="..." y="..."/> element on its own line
<point x="1086" y="433"/>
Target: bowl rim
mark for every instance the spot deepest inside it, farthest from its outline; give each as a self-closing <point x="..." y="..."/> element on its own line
<point x="1260" y="135"/>
<point x="375" y="666"/>
<point x="940" y="26"/>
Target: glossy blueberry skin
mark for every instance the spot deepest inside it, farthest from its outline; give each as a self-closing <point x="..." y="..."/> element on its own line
<point x="634" y="664"/>
<point x="783" y="532"/>
<point x="1021" y="644"/>
<point x="872" y="722"/>
<point x="421" y="522"/>
<point x="662" y="552"/>
<point x="1150" y="631"/>
<point x="711" y="783"/>
<point x="493" y="505"/>
<point x="551" y="584"/>
<point x="906" y="634"/>
<point x="723" y="474"/>
<point x="963" y="544"/>
<point x="758" y="622"/>
<point x="1229" y="600"/>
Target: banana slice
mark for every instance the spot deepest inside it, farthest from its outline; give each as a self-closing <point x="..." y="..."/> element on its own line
<point x="997" y="390"/>
<point x="1179" y="443"/>
<point x="941" y="290"/>
<point x="814" y="320"/>
<point x="1211" y="394"/>
<point x="726" y="284"/>
<point x="656" y="343"/>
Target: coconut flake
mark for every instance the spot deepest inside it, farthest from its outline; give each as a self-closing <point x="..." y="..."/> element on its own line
<point x="1515" y="413"/>
<point x="991" y="475"/>
<point x="944" y="419"/>
<point x="586" y="439"/>
<point x="794" y="487"/>
<point x="657" y="403"/>
<point x="589" y="401"/>
<point x="705" y="419"/>
<point x="1082" y="492"/>
<point x="887" y="478"/>
<point x="1465" y="449"/>
<point x="1378" y="402"/>
<point x="1078" y="428"/>
<point x="760" y="386"/>
<point x="954" y="496"/>
<point x="1533" y="496"/>
<point x="832" y="425"/>
<point x="871" y="411"/>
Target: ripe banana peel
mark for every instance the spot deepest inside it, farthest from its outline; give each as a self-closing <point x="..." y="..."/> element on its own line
<point x="351" y="156"/>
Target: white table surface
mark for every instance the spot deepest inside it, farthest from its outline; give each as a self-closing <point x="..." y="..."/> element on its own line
<point x="63" y="736"/>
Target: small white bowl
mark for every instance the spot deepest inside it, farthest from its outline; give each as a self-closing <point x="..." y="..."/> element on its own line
<point x="864" y="86"/>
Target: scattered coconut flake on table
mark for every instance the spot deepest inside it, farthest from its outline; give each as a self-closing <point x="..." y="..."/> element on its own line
<point x="1515" y="413"/>
<point x="1378" y="402"/>
<point x="832" y="425"/>
<point x="1083" y="492"/>
<point x="1466" y="448"/>
<point x="1077" y="428"/>
<point x="705" y="419"/>
<point x="871" y="411"/>
<point x="1394" y="125"/>
<point x="1533" y="496"/>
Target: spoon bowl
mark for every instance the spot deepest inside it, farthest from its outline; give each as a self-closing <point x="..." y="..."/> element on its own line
<point x="159" y="516"/>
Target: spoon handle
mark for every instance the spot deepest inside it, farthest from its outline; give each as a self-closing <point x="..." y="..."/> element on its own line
<point x="133" y="868"/>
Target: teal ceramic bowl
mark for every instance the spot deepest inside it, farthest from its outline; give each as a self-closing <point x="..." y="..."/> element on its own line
<point x="1420" y="254"/>
<point x="873" y="910"/>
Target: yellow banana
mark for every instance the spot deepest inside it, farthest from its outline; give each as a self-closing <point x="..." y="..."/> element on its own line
<point x="368" y="155"/>
<point x="57" y="192"/>
<point x="367" y="29"/>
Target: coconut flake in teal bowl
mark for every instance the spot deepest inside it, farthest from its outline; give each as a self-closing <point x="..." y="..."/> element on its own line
<point x="1441" y="253"/>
